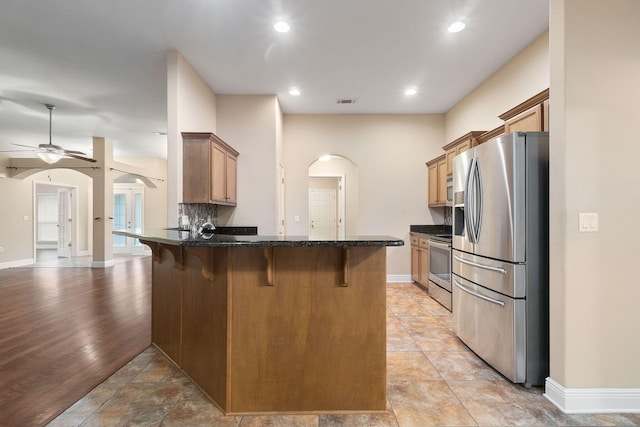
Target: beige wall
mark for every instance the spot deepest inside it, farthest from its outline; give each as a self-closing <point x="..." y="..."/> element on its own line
<point x="523" y="76"/>
<point x="155" y="199"/>
<point x="16" y="234"/>
<point x="191" y="107"/>
<point x="248" y="123"/>
<point x="595" y="96"/>
<point x="390" y="152"/>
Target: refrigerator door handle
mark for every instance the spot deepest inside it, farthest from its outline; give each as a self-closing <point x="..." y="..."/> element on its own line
<point x="475" y="264"/>
<point x="475" y="294"/>
<point x="468" y="220"/>
<point x="478" y="197"/>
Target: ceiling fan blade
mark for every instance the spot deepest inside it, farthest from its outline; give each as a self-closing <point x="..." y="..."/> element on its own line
<point x="28" y="146"/>
<point x="12" y="151"/>
<point x="79" y="153"/>
<point x="75" y="156"/>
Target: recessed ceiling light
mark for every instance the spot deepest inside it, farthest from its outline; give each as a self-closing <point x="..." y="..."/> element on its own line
<point x="281" y="27"/>
<point x="294" y="91"/>
<point x="411" y="91"/>
<point x="456" y="27"/>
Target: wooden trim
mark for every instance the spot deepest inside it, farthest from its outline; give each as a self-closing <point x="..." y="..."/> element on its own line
<point x="155" y="249"/>
<point x="471" y="135"/>
<point x="271" y="271"/>
<point x="524" y="106"/>
<point x="176" y="251"/>
<point x="436" y="160"/>
<point x="345" y="267"/>
<point x="491" y="134"/>
<point x="211" y="136"/>
<point x="204" y="255"/>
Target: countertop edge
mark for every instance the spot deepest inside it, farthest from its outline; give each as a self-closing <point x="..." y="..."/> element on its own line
<point x="218" y="240"/>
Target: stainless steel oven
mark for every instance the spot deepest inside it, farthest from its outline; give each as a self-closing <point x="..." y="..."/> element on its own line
<point x="440" y="269"/>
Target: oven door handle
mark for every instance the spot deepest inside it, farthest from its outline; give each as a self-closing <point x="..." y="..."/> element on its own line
<point x="475" y="264"/>
<point x="475" y="294"/>
<point x="440" y="245"/>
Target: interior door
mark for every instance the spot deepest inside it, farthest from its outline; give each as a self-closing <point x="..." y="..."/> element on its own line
<point x="127" y="216"/>
<point x="322" y="214"/>
<point x="65" y="222"/>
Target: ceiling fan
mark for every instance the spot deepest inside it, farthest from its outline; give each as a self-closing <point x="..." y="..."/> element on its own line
<point x="52" y="153"/>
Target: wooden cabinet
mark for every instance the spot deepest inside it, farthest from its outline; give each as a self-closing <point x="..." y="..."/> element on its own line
<point x="460" y="145"/>
<point x="209" y="171"/>
<point x="257" y="328"/>
<point x="527" y="116"/>
<point x="529" y="120"/>
<point x="420" y="259"/>
<point x="437" y="180"/>
<point x="415" y="259"/>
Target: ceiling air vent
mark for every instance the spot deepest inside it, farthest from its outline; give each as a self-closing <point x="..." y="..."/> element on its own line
<point x="346" y="101"/>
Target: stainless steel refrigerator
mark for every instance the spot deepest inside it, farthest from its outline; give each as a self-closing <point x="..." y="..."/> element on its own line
<point x="500" y="254"/>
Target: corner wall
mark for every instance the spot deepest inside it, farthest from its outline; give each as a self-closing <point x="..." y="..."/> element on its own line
<point x="191" y="107"/>
<point x="595" y="81"/>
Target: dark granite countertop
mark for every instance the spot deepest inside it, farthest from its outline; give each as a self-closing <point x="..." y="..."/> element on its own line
<point x="186" y="238"/>
<point x="430" y="229"/>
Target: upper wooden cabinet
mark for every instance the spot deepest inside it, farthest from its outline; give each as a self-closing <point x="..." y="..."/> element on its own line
<point x="209" y="169"/>
<point x="529" y="116"/>
<point x="460" y="145"/>
<point x="437" y="179"/>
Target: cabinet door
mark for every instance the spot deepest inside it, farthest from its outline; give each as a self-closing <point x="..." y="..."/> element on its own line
<point x="424" y="267"/>
<point x="527" y="121"/>
<point x="195" y="170"/>
<point x="433" y="185"/>
<point x="442" y="182"/>
<point x="218" y="174"/>
<point x="454" y="151"/>
<point x="231" y="187"/>
<point x="415" y="264"/>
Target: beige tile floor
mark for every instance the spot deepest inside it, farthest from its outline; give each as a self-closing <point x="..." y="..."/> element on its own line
<point x="433" y="380"/>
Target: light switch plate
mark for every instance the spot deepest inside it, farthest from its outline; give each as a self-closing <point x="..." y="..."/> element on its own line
<point x="588" y="222"/>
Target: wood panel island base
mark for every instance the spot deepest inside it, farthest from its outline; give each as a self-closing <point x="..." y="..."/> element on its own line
<point x="280" y="326"/>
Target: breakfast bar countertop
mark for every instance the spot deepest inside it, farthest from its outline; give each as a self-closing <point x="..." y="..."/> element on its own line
<point x="187" y="238"/>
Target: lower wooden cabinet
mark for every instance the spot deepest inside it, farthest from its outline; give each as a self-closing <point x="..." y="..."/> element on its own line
<point x="420" y="259"/>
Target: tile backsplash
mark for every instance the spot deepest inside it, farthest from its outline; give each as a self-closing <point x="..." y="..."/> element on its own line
<point x="196" y="214"/>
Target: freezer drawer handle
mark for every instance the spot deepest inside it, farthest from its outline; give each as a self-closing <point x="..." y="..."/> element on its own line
<point x="486" y="267"/>
<point x="470" y="292"/>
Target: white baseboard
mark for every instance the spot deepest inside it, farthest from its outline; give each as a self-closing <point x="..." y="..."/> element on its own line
<point x="102" y="264"/>
<point x="399" y="278"/>
<point x="592" y="400"/>
<point x="16" y="263"/>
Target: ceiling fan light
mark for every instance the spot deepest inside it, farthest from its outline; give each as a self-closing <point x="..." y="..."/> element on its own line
<point x="50" y="157"/>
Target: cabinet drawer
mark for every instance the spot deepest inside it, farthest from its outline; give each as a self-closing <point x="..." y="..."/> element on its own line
<point x="414" y="240"/>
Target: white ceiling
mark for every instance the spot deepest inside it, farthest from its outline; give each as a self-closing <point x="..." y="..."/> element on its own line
<point x="102" y="62"/>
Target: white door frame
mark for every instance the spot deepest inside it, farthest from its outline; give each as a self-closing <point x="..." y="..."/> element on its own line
<point x="74" y="213"/>
<point x="131" y="246"/>
<point x="66" y="222"/>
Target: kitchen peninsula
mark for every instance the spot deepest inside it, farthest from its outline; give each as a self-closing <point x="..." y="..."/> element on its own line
<point x="274" y="324"/>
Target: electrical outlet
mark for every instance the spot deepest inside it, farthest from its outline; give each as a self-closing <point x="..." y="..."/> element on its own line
<point x="26" y="218"/>
<point x="1" y="249"/>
